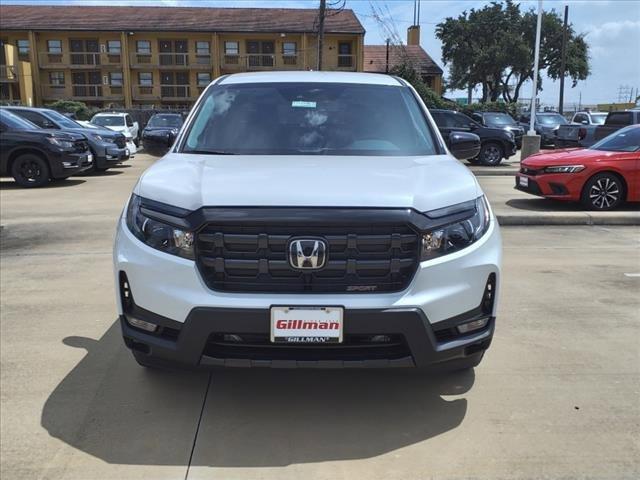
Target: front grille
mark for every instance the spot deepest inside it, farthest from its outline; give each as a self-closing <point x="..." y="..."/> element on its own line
<point x="121" y="141"/>
<point x="360" y="259"/>
<point x="354" y="347"/>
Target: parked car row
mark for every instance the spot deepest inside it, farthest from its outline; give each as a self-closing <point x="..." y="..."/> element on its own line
<point x="40" y="145"/>
<point x="586" y="128"/>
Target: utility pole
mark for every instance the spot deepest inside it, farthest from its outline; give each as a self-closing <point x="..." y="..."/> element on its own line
<point x="386" y="70"/>
<point x="563" y="63"/>
<point x="322" y="13"/>
<point x="531" y="141"/>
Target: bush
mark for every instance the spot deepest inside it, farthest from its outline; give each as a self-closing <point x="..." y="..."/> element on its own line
<point x="431" y="99"/>
<point x="79" y="109"/>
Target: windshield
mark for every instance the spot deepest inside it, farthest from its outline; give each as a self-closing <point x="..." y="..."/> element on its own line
<point x="61" y="120"/>
<point x="108" y="121"/>
<point x="598" y="118"/>
<point x="625" y="140"/>
<point x="14" y="122"/>
<point x="310" y="118"/>
<point x="170" y="121"/>
<point x="498" y="119"/>
<point x="554" y="119"/>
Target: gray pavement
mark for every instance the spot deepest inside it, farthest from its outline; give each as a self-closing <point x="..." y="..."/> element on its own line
<point x="556" y="396"/>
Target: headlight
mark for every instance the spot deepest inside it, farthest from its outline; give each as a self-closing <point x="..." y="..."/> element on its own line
<point x="458" y="234"/>
<point x="60" y="142"/>
<point x="158" y="235"/>
<point x="564" y="169"/>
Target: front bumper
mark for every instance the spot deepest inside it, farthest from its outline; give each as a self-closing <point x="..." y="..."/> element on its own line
<point x="443" y="291"/>
<point x="413" y="342"/>
<point x="112" y="156"/>
<point x="558" y="186"/>
<point x="71" y="164"/>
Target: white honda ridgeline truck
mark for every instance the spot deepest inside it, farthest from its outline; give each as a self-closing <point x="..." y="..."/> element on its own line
<point x="309" y="219"/>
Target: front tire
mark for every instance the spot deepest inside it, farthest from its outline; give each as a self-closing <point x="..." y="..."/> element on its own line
<point x="30" y="170"/>
<point x="491" y="154"/>
<point x="604" y="191"/>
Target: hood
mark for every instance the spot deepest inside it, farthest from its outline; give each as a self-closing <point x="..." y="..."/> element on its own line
<point x="119" y="128"/>
<point x="191" y="181"/>
<point x="103" y="132"/>
<point x="568" y="156"/>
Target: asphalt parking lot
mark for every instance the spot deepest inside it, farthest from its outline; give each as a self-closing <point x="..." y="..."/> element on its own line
<point x="557" y="395"/>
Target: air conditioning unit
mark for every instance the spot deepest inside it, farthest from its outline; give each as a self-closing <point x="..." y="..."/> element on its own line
<point x="103" y="48"/>
<point x="105" y="79"/>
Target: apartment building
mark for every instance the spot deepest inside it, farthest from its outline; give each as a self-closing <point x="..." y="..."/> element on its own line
<point x="161" y="57"/>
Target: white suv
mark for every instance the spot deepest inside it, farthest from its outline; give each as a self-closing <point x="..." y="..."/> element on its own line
<point x="120" y="122"/>
<point x="309" y="219"/>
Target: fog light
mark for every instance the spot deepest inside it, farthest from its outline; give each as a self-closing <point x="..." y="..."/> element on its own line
<point x="141" y="324"/>
<point x="472" y="326"/>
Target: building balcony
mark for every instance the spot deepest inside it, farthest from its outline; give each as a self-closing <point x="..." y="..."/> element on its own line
<point x="166" y="92"/>
<point x="83" y="92"/>
<point x="8" y="73"/>
<point x="260" y="61"/>
<point x="79" y="60"/>
<point x="170" y="61"/>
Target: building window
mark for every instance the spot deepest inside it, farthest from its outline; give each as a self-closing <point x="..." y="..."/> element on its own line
<point x="23" y="49"/>
<point x="231" y="48"/>
<point x="289" y="48"/>
<point x="204" y="79"/>
<point x="56" y="79"/>
<point x="115" y="79"/>
<point x="345" y="59"/>
<point x="114" y="47"/>
<point x="202" y="48"/>
<point x="54" y="46"/>
<point x="145" y="79"/>
<point x="143" y="47"/>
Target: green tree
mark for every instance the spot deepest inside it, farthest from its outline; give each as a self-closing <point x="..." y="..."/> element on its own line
<point x="494" y="47"/>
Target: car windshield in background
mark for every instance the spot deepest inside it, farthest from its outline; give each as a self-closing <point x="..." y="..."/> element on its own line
<point x="310" y="118"/>
<point x="554" y="119"/>
<point x="625" y="140"/>
<point x="108" y="121"/>
<point x="498" y="119"/>
<point x="169" y="121"/>
<point x="598" y="119"/>
<point x="64" y="122"/>
<point x="14" y="122"/>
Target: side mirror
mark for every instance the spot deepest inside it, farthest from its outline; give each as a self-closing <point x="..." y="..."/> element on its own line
<point x="464" y="145"/>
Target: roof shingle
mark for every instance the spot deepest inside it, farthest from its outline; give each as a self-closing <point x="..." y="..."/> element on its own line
<point x="182" y="19"/>
<point x="375" y="58"/>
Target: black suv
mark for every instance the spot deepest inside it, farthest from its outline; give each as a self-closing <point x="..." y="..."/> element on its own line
<point x="109" y="148"/>
<point x="161" y="132"/>
<point x="33" y="156"/>
<point x="500" y="120"/>
<point x="496" y="143"/>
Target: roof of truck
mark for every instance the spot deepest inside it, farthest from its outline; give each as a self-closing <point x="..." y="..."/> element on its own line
<point x="311" y="77"/>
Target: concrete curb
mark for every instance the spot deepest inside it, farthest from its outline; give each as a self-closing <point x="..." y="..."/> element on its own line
<point x="574" y="218"/>
<point x="494" y="172"/>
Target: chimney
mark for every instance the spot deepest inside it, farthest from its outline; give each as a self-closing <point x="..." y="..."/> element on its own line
<point x="413" y="35"/>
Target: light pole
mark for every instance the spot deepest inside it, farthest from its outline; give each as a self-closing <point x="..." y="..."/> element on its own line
<point x="531" y="141"/>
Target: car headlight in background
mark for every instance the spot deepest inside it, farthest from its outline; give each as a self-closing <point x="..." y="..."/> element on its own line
<point x="158" y="235"/>
<point x="564" y="169"/>
<point x="59" y="142"/>
<point x="459" y="234"/>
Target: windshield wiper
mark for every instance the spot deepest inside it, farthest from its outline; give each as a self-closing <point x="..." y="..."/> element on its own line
<point x="210" y="152"/>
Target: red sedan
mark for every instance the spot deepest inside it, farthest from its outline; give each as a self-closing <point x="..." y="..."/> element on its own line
<point x="602" y="176"/>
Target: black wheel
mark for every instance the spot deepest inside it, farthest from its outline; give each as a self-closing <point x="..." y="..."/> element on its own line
<point x="604" y="191"/>
<point x="30" y="170"/>
<point x="491" y="154"/>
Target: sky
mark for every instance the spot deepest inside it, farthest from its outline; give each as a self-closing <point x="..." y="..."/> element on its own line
<point x="612" y="29"/>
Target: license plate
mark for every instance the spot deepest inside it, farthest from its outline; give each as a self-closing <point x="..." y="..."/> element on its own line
<point x="306" y="324"/>
<point x="90" y="158"/>
<point x="126" y="152"/>
<point x="523" y="181"/>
